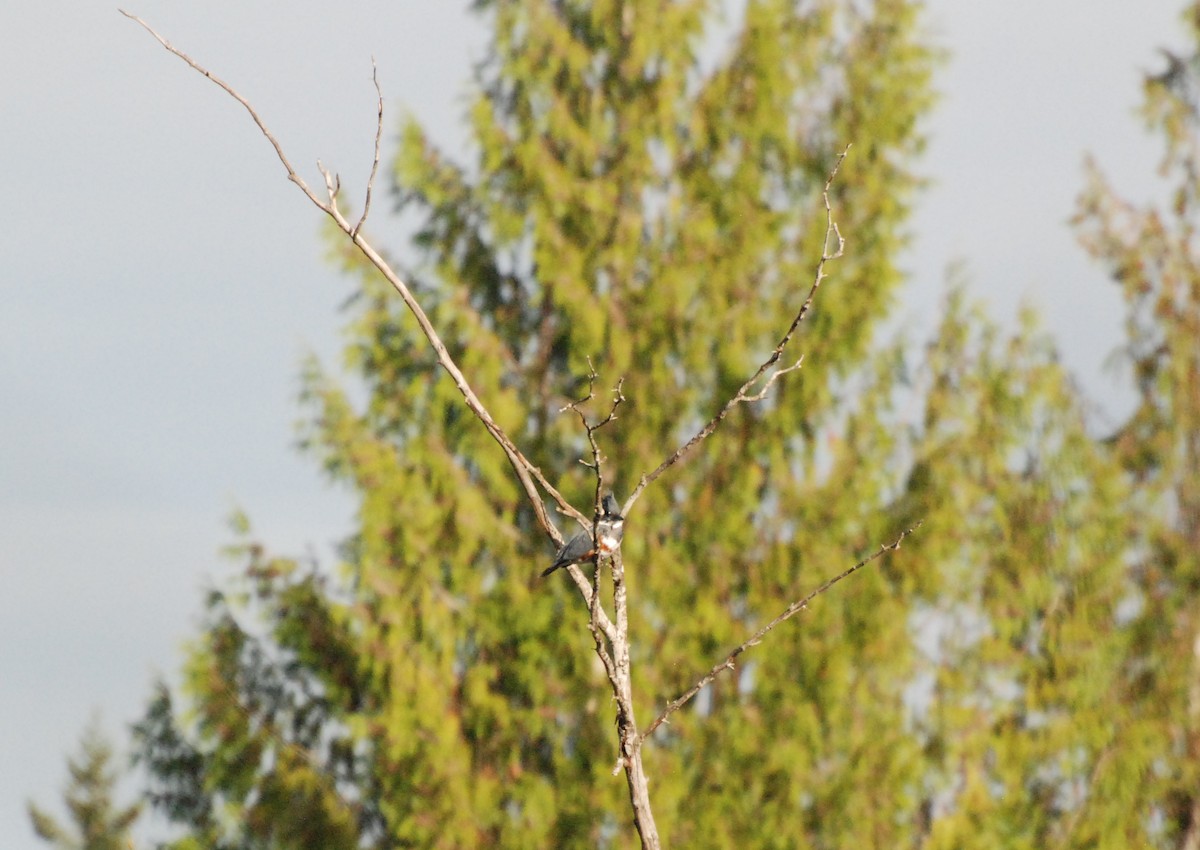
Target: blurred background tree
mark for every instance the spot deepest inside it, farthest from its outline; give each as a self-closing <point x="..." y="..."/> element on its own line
<point x="637" y="202"/>
<point x="1151" y="251"/>
<point x="1019" y="676"/>
<point x="97" y="822"/>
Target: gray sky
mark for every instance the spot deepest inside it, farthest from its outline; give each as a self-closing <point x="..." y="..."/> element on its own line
<point x="161" y="281"/>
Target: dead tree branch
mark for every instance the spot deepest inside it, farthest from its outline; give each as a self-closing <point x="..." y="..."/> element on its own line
<point x="627" y="732"/>
<point x="746" y="393"/>
<point x="591" y="429"/>
<point x="610" y="635"/>
<point x="378" y="139"/>
<point x="615" y="655"/>
<point x="598" y="621"/>
<point x="727" y="663"/>
<point x="527" y="473"/>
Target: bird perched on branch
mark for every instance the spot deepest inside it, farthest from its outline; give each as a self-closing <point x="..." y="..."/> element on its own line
<point x="586" y="545"/>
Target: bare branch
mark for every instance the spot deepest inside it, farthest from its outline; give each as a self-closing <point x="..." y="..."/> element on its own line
<point x="591" y="429"/>
<point x="771" y="379"/>
<point x="591" y="394"/>
<point x="528" y="474"/>
<point x="727" y="663"/>
<point x="615" y="655"/>
<point x="375" y="163"/>
<point x="333" y="186"/>
<point x="291" y="172"/>
<point x="630" y="741"/>
<point x="595" y="626"/>
<point x="617" y="661"/>
<point x="598" y="618"/>
<point x="744" y="393"/>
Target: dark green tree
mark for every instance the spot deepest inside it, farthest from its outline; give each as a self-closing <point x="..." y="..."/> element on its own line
<point x="97" y="822"/>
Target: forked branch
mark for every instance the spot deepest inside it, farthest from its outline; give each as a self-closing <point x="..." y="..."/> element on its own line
<point x="598" y="622"/>
<point x="615" y="655"/>
<point x="591" y="428"/>
<point x="832" y="247"/>
<point x="611" y="635"/>
<point x="528" y="474"/>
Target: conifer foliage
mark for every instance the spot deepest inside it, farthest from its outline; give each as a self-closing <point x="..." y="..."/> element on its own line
<point x="98" y="823"/>
<point x="645" y="212"/>
<point x="1152" y="253"/>
<point x="638" y="208"/>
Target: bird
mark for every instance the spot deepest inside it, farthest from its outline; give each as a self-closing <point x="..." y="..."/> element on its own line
<point x="610" y="528"/>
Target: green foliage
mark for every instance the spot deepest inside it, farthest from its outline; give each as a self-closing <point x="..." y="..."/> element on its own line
<point x="99" y="824"/>
<point x="1024" y="652"/>
<point x="998" y="683"/>
<point x="1153" y="256"/>
<point x="660" y="215"/>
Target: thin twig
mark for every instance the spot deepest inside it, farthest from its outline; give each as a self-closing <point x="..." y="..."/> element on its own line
<point x="771" y="379"/>
<point x="378" y="140"/>
<point x="591" y="429"/>
<point x="744" y="392"/>
<point x="797" y="606"/>
<point x="292" y="175"/>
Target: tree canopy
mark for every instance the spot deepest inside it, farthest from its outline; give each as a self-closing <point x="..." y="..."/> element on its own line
<point x="648" y="206"/>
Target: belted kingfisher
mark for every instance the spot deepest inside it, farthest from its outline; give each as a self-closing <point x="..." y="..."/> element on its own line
<point x="610" y="528"/>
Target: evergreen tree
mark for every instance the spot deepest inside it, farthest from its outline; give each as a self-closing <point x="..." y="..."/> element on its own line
<point x="98" y="823"/>
<point x="1020" y="697"/>
<point x="664" y="220"/>
<point x="1027" y="681"/>
<point x="1056" y="618"/>
<point x="1153" y="256"/>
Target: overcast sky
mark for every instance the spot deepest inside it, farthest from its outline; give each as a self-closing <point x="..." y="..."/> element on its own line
<point x="160" y="281"/>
